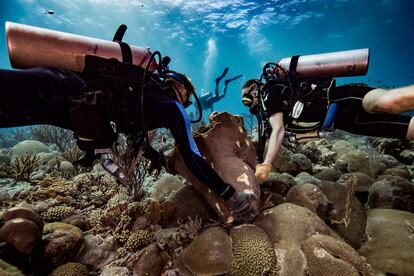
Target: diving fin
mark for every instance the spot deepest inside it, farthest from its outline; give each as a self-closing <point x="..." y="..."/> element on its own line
<point x="222" y="75"/>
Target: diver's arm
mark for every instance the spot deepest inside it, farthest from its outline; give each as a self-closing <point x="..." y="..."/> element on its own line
<point x="276" y="137"/>
<point x="275" y="141"/>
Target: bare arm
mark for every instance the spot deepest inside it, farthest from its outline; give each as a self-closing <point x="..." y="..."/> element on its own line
<point x="276" y="137"/>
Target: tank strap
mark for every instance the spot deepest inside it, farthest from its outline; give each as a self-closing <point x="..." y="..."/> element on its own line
<point x="293" y="64"/>
<point x="125" y="48"/>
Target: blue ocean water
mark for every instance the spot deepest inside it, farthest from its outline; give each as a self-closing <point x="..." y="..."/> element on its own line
<point x="204" y="36"/>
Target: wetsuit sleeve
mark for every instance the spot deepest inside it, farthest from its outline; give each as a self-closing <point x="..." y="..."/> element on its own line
<point x="272" y="100"/>
<point x="181" y="130"/>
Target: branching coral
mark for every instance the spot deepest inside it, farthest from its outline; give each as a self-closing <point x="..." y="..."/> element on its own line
<point x="133" y="166"/>
<point x="63" y="138"/>
<point x="21" y="167"/>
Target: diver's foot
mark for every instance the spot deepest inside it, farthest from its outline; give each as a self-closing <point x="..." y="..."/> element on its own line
<point x="231" y="79"/>
<point x="109" y="165"/>
<point x="222" y="75"/>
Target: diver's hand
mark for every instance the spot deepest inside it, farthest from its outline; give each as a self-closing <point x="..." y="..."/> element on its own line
<point x="262" y="172"/>
<point x="243" y="206"/>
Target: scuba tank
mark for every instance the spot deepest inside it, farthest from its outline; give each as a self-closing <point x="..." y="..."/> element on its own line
<point x="30" y="46"/>
<point x="335" y="64"/>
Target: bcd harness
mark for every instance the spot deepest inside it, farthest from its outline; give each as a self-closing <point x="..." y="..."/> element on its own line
<point x="115" y="101"/>
<point x="298" y="94"/>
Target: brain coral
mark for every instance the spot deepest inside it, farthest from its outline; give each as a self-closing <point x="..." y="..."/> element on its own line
<point x="209" y="253"/>
<point x="328" y="256"/>
<point x="253" y="252"/>
<point x="71" y="269"/>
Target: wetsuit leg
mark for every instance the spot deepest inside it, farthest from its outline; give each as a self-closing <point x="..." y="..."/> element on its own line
<point x="37" y="96"/>
<point x="352" y="117"/>
<point x="177" y="121"/>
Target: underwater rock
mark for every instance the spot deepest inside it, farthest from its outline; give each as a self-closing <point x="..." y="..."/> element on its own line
<point x="210" y="253"/>
<point x="304" y="177"/>
<point x="329" y="174"/>
<point x="61" y="243"/>
<point x="80" y="221"/>
<point x="362" y="184"/>
<point x="390" y="243"/>
<point x="283" y="161"/>
<point x="4" y="159"/>
<point x="22" y="234"/>
<point x="226" y="146"/>
<point x="67" y="169"/>
<point x="310" y="197"/>
<point x="165" y="186"/>
<point x="408" y="156"/>
<point x="328" y="157"/>
<point x="392" y="192"/>
<point x="399" y="171"/>
<point x="115" y="270"/>
<point x="358" y="161"/>
<point x="189" y="203"/>
<point x="4" y="196"/>
<point x="9" y="270"/>
<point x="279" y="183"/>
<point x="303" y="164"/>
<point x="151" y="261"/>
<point x="70" y="269"/>
<point x="389" y="161"/>
<point x="341" y="166"/>
<point x="327" y="256"/>
<point x="22" y="212"/>
<point x="28" y="147"/>
<point x="348" y="220"/>
<point x="97" y="251"/>
<point x="310" y="149"/>
<point x="13" y="187"/>
<point x="253" y="252"/>
<point x="288" y="226"/>
<point x="340" y="147"/>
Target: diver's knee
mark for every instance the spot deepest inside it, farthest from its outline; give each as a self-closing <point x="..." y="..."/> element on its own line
<point x="372" y="101"/>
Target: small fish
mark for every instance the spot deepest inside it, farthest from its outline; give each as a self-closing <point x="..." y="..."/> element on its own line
<point x="50" y="11"/>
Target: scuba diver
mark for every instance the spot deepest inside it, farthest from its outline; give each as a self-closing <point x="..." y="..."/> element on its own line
<point x="207" y="100"/>
<point x="106" y="98"/>
<point x="305" y="107"/>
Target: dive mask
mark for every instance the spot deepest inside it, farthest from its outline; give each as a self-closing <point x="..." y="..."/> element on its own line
<point x="176" y="77"/>
<point x="249" y="96"/>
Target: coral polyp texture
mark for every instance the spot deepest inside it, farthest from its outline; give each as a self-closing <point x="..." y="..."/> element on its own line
<point x="253" y="252"/>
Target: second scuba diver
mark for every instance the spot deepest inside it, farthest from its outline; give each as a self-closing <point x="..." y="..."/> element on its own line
<point x="303" y="108"/>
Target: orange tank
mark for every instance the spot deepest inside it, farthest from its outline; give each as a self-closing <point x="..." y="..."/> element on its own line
<point x="32" y="46"/>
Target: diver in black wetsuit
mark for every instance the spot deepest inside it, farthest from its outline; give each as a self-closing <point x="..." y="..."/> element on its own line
<point x="207" y="100"/>
<point x="97" y="109"/>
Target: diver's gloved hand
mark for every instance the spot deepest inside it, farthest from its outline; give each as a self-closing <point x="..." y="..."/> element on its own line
<point x="242" y="206"/>
<point x="109" y="165"/>
<point x="262" y="172"/>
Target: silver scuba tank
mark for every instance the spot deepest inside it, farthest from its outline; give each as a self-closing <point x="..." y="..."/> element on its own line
<point x="32" y="46"/>
<point x="335" y="64"/>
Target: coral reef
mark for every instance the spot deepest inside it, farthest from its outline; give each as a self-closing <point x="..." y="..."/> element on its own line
<point x="70" y="269"/>
<point x="210" y="253"/>
<point x="139" y="239"/>
<point x="226" y="146"/>
<point x="253" y="252"/>
<point x="58" y="213"/>
<point x="319" y="205"/>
